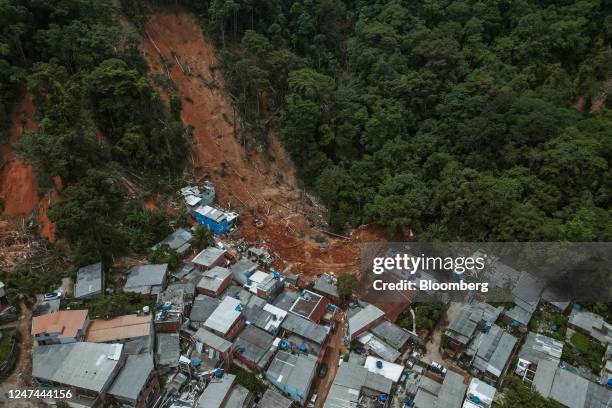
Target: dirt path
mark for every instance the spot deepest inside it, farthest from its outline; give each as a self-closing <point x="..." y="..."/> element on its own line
<point x="335" y="350"/>
<point x="433" y="347"/>
<point x="258" y="184"/>
<point x="24" y="363"/>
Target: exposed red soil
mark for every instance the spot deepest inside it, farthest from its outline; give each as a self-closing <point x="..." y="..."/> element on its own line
<point x="261" y="185"/>
<point x="152" y="203"/>
<point x="18" y="186"/>
<point x="18" y="189"/>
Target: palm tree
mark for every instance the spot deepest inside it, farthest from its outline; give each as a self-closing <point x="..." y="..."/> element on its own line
<point x="202" y="238"/>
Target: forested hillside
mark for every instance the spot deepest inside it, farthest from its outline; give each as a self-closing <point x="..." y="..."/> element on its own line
<point x="458" y="120"/>
<point x="99" y="119"/>
<point x="461" y="120"/>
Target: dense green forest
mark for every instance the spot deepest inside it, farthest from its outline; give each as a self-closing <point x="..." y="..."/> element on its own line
<point x="458" y="120"/>
<point x="98" y="118"/>
<point x="461" y="120"/>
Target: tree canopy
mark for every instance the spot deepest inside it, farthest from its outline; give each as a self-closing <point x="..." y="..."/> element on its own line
<point x="454" y="119"/>
<point x="99" y="119"/>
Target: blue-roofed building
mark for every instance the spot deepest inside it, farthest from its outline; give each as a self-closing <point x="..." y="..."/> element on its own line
<point x="215" y="220"/>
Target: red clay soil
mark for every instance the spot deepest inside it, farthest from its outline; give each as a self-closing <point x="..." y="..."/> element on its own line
<point x="152" y="203"/>
<point x="251" y="183"/>
<point x="18" y="186"/>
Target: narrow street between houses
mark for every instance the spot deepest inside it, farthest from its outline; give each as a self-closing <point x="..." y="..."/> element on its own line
<point x="335" y="351"/>
<point x="433" y="346"/>
<point x="24" y="362"/>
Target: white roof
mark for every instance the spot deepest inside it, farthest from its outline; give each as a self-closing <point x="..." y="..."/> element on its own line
<point x="259" y="277"/>
<point x="212" y="213"/>
<point x="190" y="190"/>
<point x="192" y="200"/>
<point x="231" y="216"/>
<point x="258" y="280"/>
<point x="480" y="389"/>
<point x="224" y="316"/>
<point x="389" y="370"/>
<point x="278" y="312"/>
<point x="378" y="347"/>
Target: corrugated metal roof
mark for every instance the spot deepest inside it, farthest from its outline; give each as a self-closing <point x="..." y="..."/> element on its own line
<point x="423" y="399"/>
<point x="216" y="392"/>
<point x="305" y="328"/>
<point x="538" y="347"/>
<point x="500" y="275"/>
<point x="569" y="388"/>
<point x="378" y="383"/>
<point x="238" y="398"/>
<point x="519" y="314"/>
<point x="119" y="328"/>
<point x="296" y="371"/>
<point x="325" y="284"/>
<point x="211" y="213"/>
<point x="146" y="275"/>
<point x="593" y="324"/>
<point x="89" y="366"/>
<point x="527" y="292"/>
<point x="238" y="292"/>
<point x="208" y="256"/>
<point x="168" y="349"/>
<point x="452" y="392"/>
<point x="392" y="334"/>
<point x="258" y="316"/>
<point x="464" y="324"/>
<point x="346" y="388"/>
<point x="178" y="240"/>
<point x="272" y="399"/>
<point x="224" y="316"/>
<point x="214" y="278"/>
<point x="285" y="299"/>
<point x="544" y="377"/>
<point x="378" y="347"/>
<point x="363" y="318"/>
<point x="255" y="345"/>
<point x="242" y="269"/>
<point x="429" y="385"/>
<point x="212" y="340"/>
<point x="492" y="349"/>
<point x="88" y="281"/>
<point x="133" y="376"/>
<point x="203" y="306"/>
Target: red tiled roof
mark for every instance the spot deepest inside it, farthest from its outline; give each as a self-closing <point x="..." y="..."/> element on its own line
<point x="65" y="322"/>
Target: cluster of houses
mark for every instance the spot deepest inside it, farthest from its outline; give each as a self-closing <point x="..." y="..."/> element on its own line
<point x="226" y="306"/>
<point x="489" y="341"/>
<point x="217" y="310"/>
